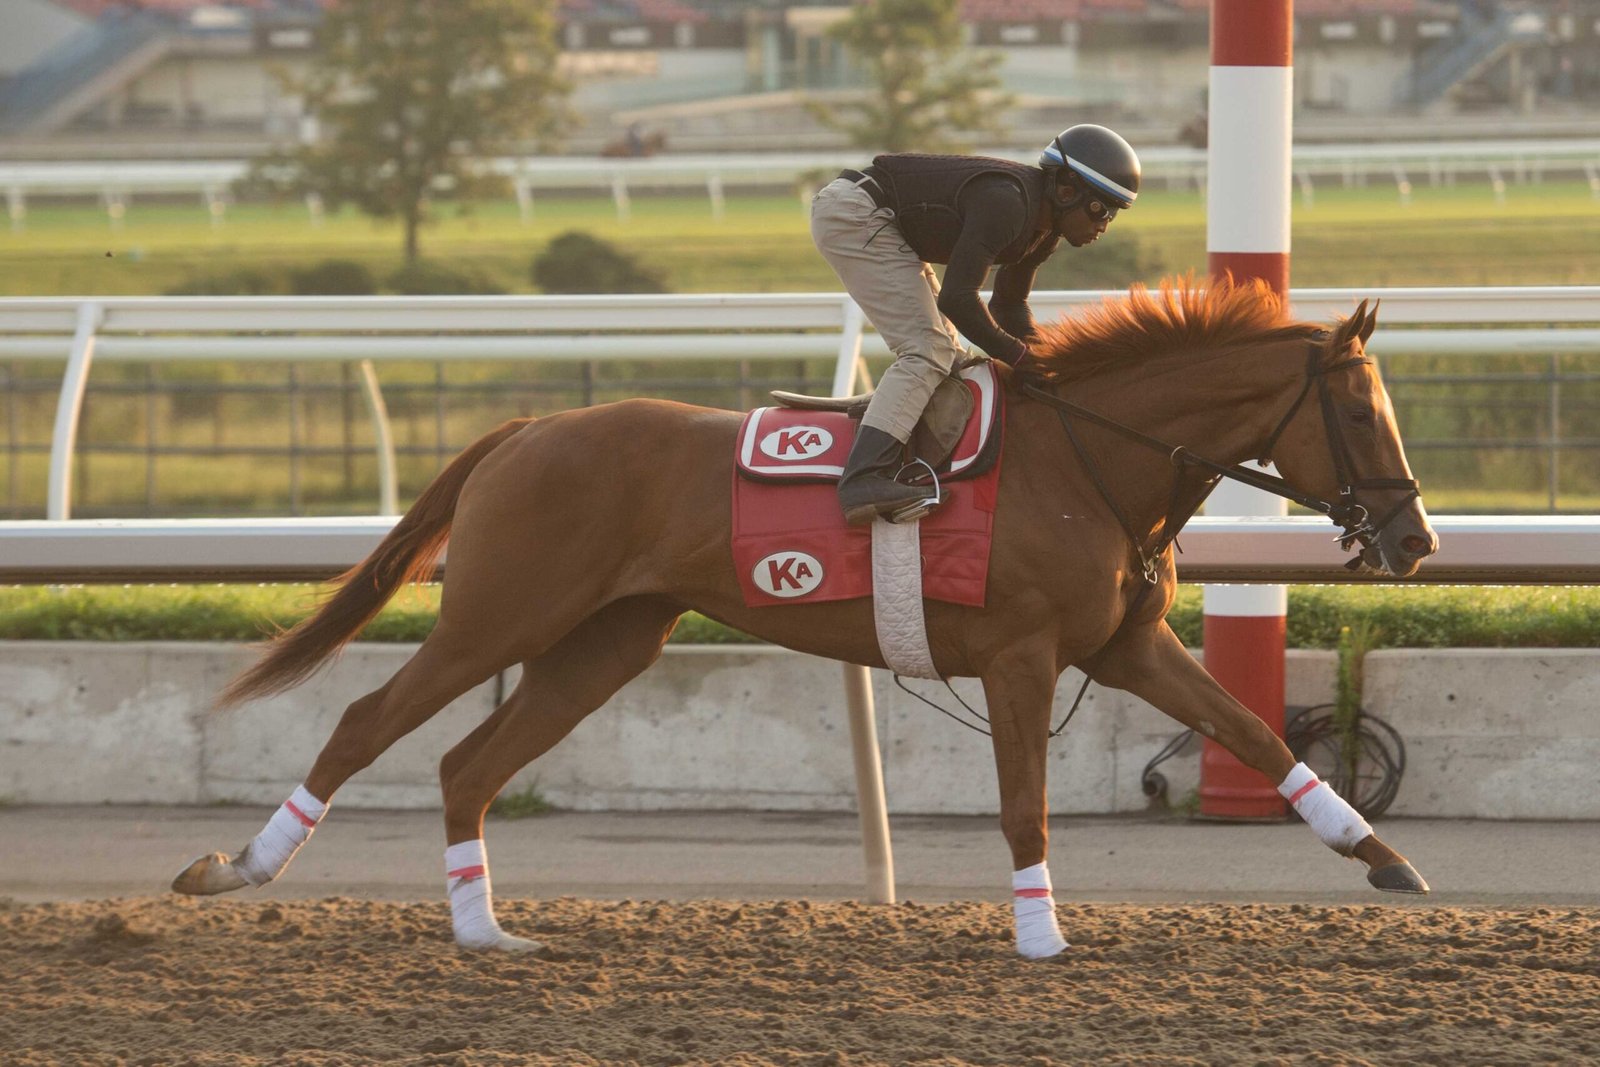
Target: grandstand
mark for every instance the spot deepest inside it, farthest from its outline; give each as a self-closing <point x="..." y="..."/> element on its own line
<point x="193" y="77"/>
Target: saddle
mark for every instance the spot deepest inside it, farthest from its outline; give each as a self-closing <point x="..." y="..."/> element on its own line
<point x="937" y="433"/>
<point x="957" y="437"/>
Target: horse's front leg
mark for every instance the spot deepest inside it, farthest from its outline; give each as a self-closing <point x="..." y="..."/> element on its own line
<point x="1019" y="689"/>
<point x="1152" y="664"/>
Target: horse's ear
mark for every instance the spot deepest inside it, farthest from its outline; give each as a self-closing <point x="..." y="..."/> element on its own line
<point x="1371" y="323"/>
<point x="1348" y="328"/>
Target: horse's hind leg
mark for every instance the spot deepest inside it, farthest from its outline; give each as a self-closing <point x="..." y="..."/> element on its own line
<point x="556" y="691"/>
<point x="1151" y="663"/>
<point x="445" y="667"/>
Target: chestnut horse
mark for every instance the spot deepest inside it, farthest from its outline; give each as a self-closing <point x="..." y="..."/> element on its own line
<point x="626" y="509"/>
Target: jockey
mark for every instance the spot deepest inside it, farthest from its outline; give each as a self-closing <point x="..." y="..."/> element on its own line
<point x="880" y="229"/>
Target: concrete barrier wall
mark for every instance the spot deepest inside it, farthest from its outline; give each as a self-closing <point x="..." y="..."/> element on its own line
<point x="1498" y="734"/>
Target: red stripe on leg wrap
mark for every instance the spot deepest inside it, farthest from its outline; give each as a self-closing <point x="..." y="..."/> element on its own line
<point x="467" y="872"/>
<point x="1030" y="892"/>
<point x="302" y="816"/>
<point x="1303" y="790"/>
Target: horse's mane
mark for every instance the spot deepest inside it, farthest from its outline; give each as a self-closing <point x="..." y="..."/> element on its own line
<point x="1179" y="317"/>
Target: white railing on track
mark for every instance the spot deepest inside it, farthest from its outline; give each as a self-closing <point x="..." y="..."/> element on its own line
<point x="1439" y="163"/>
<point x="1473" y="550"/>
<point x="751" y="326"/>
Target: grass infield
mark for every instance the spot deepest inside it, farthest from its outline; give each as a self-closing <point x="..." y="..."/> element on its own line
<point x="1361" y="236"/>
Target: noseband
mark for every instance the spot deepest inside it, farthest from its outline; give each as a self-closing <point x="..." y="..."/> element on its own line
<point x="1351" y="517"/>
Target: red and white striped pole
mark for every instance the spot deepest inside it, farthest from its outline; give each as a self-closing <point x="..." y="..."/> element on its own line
<point x="1247" y="233"/>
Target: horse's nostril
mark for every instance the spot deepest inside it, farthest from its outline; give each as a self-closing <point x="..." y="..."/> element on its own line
<point x="1416" y="544"/>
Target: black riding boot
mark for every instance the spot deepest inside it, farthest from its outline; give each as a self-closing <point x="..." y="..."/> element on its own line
<point x="867" y="488"/>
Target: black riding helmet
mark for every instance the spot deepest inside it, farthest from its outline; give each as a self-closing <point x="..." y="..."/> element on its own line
<point x="1101" y="159"/>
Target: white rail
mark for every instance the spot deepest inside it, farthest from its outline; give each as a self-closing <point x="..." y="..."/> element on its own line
<point x="1351" y="164"/>
<point x="1473" y="550"/>
<point x="783" y="326"/>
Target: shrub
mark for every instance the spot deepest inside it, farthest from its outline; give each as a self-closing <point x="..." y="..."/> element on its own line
<point x="577" y="262"/>
<point x="431" y="278"/>
<point x="241" y="281"/>
<point x="333" y="277"/>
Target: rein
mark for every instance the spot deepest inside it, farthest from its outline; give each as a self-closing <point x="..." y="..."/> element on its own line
<point x="1353" y="518"/>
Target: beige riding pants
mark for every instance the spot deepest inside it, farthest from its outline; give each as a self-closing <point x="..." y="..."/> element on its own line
<point x="899" y="294"/>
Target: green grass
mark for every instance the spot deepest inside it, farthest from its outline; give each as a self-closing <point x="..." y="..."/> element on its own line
<point x="522" y="804"/>
<point x="1400" y="616"/>
<point x="1457" y="235"/>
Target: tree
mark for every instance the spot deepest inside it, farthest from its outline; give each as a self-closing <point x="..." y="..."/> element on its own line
<point x="927" y="87"/>
<point x="411" y="93"/>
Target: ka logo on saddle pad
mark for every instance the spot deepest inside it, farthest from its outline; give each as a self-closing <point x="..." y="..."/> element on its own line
<point x="797" y="442"/>
<point x="788" y="574"/>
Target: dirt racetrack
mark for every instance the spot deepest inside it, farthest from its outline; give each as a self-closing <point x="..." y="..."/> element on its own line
<point x="342" y="981"/>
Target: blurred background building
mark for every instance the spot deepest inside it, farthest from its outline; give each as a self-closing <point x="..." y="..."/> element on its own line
<point x="166" y="78"/>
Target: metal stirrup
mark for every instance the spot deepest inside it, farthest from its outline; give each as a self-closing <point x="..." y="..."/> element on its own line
<point x="916" y="510"/>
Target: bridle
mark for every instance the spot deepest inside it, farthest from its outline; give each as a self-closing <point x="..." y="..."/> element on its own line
<point x="1355" y="523"/>
<point x="1353" y="518"/>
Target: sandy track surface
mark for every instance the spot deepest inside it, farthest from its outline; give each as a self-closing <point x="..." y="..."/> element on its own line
<point x="343" y="981"/>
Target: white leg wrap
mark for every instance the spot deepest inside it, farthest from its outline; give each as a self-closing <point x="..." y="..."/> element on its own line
<point x="1038" y="935"/>
<point x="466" y="869"/>
<point x="264" y="858"/>
<point x="1336" y="823"/>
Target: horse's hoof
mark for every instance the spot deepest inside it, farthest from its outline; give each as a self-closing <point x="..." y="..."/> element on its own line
<point x="207" y="876"/>
<point x="1042" y="948"/>
<point x="1397" y="878"/>
<point x="500" y="942"/>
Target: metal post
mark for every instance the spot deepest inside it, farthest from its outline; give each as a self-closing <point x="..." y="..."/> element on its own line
<point x="1555" y="431"/>
<point x="524" y="198"/>
<point x="619" y="195"/>
<point x="873" y="809"/>
<point x="1247" y="235"/>
<point x="13" y="450"/>
<point x="1402" y="184"/>
<point x="849" y="368"/>
<point x="294" y="439"/>
<point x="1308" y="193"/>
<point x="388" y="487"/>
<point x="216" y="205"/>
<point x="151" y="419"/>
<point x="58" y="500"/>
<point x="871" y="804"/>
<point x="714" y="190"/>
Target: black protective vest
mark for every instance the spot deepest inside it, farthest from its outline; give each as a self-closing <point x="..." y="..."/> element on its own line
<point x="925" y="192"/>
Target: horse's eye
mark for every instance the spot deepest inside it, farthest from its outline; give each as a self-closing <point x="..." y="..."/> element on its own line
<point x="1361" y="416"/>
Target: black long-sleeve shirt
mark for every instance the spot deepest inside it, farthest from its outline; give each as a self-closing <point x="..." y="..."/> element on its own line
<point x="974" y="213"/>
<point x="994" y="216"/>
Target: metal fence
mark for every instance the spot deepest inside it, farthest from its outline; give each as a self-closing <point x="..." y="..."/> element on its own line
<point x="300" y="440"/>
<point x="306" y="427"/>
<point x="211" y="184"/>
<point x="272" y="406"/>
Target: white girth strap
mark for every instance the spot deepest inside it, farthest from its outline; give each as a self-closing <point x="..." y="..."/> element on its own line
<point x="897" y="598"/>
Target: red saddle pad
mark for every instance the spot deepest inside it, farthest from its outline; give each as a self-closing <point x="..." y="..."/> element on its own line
<point x="790" y="543"/>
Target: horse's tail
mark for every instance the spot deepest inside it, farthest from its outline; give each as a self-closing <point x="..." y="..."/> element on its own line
<point x="409" y="553"/>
